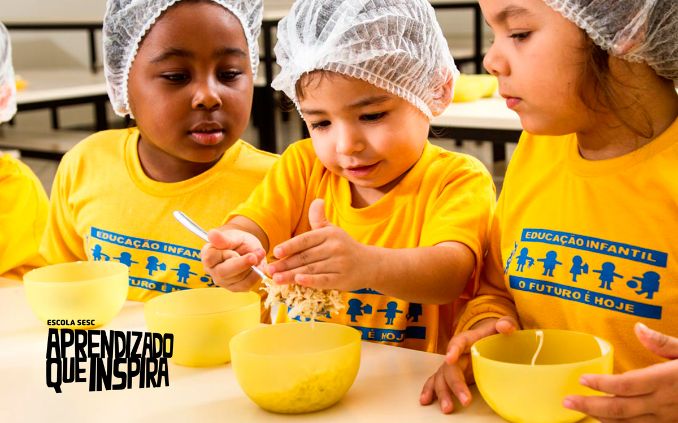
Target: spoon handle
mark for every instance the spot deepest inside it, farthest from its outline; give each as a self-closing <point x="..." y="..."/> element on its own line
<point x="190" y="225"/>
<point x="196" y="229"/>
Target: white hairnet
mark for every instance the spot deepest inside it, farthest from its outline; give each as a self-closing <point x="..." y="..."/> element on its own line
<point x="396" y="45"/>
<point x="637" y="31"/>
<point x="127" y="21"/>
<point x="7" y="85"/>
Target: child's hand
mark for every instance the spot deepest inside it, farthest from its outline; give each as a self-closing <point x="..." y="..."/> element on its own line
<point x="454" y="376"/>
<point x="228" y="257"/>
<point x="325" y="257"/>
<point x="649" y="394"/>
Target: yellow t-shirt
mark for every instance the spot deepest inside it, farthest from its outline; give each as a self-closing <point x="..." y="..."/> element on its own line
<point x="446" y="196"/>
<point x="586" y="245"/>
<point x="104" y="207"/>
<point x="23" y="213"/>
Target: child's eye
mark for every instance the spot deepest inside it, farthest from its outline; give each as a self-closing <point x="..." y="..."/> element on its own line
<point x="372" y="116"/>
<point x="229" y="75"/>
<point x="520" y="36"/>
<point x="320" y="124"/>
<point x="176" y="77"/>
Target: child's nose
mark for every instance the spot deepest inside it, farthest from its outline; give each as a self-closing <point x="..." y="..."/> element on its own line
<point x="495" y="63"/>
<point x="349" y="141"/>
<point x="206" y="96"/>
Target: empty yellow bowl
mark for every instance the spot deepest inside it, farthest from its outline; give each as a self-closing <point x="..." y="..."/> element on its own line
<point x="203" y="321"/>
<point x="473" y="87"/>
<point x="81" y="295"/>
<point x="521" y="392"/>
<point x="296" y="367"/>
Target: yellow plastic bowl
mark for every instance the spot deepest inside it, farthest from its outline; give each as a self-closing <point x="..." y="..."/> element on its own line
<point x="473" y="87"/>
<point x="203" y="321"/>
<point x="296" y="367"/>
<point x="521" y="392"/>
<point x="81" y="295"/>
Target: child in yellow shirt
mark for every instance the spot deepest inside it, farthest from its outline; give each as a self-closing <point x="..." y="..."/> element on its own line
<point x="23" y="201"/>
<point x="584" y="237"/>
<point x="367" y="206"/>
<point x="184" y="71"/>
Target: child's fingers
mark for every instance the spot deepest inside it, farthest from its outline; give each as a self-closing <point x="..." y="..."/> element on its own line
<point x="506" y="325"/>
<point x="632" y="383"/>
<point x="234" y="267"/>
<point x="455" y="349"/>
<point x="443" y="392"/>
<point x="233" y="240"/>
<point x="212" y="257"/>
<point x="306" y="261"/>
<point x="222" y="241"/>
<point x="242" y="285"/>
<point x="611" y="408"/>
<point x="316" y="214"/>
<point x="456" y="380"/>
<point x="461" y="344"/>
<point x="427" y="392"/>
<point x="299" y="244"/>
<point x="657" y="342"/>
<point x="318" y="281"/>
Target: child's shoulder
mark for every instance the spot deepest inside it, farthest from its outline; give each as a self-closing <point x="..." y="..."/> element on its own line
<point x="250" y="152"/>
<point x="101" y="142"/>
<point x="439" y="160"/>
<point x="94" y="153"/>
<point x="11" y="168"/>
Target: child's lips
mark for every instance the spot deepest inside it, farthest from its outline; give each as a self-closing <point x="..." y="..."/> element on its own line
<point x="210" y="137"/>
<point x="512" y="102"/>
<point x="361" y="171"/>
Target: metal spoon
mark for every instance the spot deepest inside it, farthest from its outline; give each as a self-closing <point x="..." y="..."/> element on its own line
<point x="196" y="229"/>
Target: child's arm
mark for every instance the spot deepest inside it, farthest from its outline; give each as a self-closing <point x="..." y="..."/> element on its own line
<point x="455" y="374"/>
<point x="23" y="209"/>
<point x="61" y="241"/>
<point x="490" y="311"/>
<point x="647" y="394"/>
<point x="232" y="250"/>
<point x="327" y="257"/>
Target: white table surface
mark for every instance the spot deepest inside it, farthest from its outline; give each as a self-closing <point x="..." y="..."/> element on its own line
<point x="59" y="84"/>
<point x="486" y="113"/>
<point x="386" y="389"/>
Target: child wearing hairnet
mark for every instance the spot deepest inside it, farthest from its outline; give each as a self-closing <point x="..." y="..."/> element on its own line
<point x="184" y="71"/>
<point x="590" y="193"/>
<point x="23" y="201"/>
<point x="367" y="206"/>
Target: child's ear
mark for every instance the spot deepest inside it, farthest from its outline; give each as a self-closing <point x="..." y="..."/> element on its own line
<point x="442" y="95"/>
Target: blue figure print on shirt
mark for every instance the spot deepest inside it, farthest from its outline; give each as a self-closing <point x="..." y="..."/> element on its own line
<point x="126" y="258"/>
<point x="153" y="265"/>
<point x="607" y="275"/>
<point x="578" y="267"/>
<point x="207" y="279"/>
<point x="510" y="258"/>
<point x="414" y="311"/>
<point x="523" y="259"/>
<point x="391" y="311"/>
<point x="649" y="284"/>
<point x="97" y="253"/>
<point x="356" y="308"/>
<point x="184" y="272"/>
<point x="550" y="263"/>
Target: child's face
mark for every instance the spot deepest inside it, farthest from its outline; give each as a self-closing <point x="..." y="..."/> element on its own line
<point x="361" y="132"/>
<point x="539" y="58"/>
<point x="190" y="89"/>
